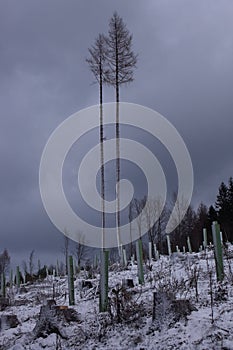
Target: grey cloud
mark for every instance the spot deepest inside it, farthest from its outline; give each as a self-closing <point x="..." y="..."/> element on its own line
<point x="184" y="72"/>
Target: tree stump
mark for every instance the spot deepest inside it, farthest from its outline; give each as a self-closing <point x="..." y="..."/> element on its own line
<point x="23" y="290"/>
<point x="4" y="302"/>
<point x="127" y="283"/>
<point x="87" y="284"/>
<point x="167" y="310"/>
<point x="8" y="321"/>
<point x="52" y="319"/>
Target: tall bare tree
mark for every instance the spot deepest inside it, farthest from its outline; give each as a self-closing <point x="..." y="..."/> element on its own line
<point x="138" y="205"/>
<point x="65" y="251"/>
<point x="97" y="64"/>
<point x="156" y="231"/>
<point x="130" y="216"/>
<point x="31" y="262"/>
<point x="154" y="223"/>
<point x="80" y="249"/>
<point x="121" y="62"/>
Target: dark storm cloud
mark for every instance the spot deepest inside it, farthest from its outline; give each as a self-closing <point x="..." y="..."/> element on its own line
<point x="190" y="76"/>
<point x="184" y="72"/>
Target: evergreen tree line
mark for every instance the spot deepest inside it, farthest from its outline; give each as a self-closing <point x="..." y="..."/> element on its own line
<point x="194" y="221"/>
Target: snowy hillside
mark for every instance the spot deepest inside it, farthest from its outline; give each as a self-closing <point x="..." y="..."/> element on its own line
<point x="128" y="325"/>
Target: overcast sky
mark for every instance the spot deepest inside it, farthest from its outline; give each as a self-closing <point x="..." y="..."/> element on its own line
<point x="184" y="71"/>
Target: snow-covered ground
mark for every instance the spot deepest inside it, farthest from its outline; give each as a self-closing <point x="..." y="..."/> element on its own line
<point x="188" y="276"/>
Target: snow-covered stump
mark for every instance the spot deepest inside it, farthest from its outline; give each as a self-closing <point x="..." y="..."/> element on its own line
<point x="8" y="321"/>
<point x="218" y="251"/>
<point x="4" y="302"/>
<point x="139" y="261"/>
<point x="167" y="310"/>
<point x="52" y="319"/>
<point x="71" y="280"/>
<point x="103" y="303"/>
<point x="127" y="283"/>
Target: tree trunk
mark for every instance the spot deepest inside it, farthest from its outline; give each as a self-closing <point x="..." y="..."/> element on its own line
<point x="103" y="305"/>
<point x="118" y="219"/>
